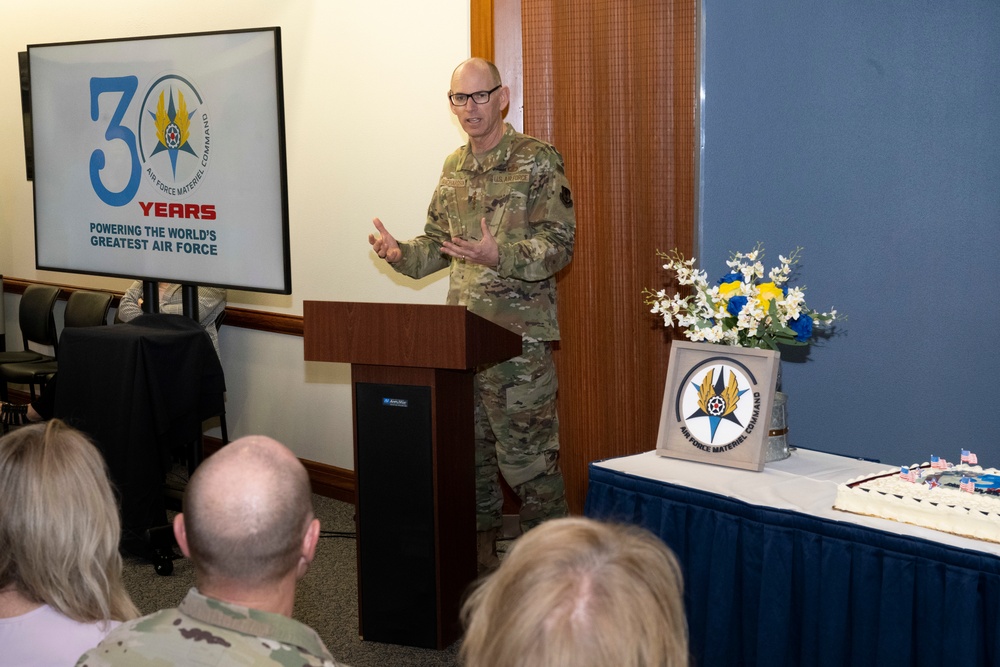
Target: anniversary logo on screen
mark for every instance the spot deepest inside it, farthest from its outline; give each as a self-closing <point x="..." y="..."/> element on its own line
<point x="717" y="407"/>
<point x="169" y="150"/>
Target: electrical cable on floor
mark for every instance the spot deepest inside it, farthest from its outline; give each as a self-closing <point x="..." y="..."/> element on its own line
<point x="337" y="533"/>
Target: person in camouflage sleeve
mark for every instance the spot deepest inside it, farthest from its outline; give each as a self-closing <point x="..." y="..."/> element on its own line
<point x="502" y="222"/>
<point x="249" y="530"/>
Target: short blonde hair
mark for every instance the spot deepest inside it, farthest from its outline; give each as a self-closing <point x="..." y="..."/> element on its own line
<point x="59" y="524"/>
<point x="576" y="592"/>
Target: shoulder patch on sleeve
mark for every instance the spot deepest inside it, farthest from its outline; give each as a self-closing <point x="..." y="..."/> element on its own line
<point x="566" y="197"/>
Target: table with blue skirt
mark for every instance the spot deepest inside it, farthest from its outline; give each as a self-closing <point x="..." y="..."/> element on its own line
<point x="775" y="576"/>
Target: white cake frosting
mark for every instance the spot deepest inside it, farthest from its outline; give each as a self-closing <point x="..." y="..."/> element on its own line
<point x="889" y="496"/>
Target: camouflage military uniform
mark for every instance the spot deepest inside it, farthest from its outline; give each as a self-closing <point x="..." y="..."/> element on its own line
<point x="205" y="631"/>
<point x="520" y="188"/>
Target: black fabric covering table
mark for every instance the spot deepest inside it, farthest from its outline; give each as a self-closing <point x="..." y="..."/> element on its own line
<point x="140" y="390"/>
<point x="769" y="587"/>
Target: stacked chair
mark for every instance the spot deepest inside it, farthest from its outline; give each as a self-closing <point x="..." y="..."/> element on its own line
<point x="84" y="308"/>
<point x="38" y="327"/>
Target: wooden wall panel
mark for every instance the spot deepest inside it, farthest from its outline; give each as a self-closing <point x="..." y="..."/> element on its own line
<point x="481" y="24"/>
<point x="612" y="84"/>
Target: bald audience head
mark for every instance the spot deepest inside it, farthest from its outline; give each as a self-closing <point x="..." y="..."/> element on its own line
<point x="248" y="515"/>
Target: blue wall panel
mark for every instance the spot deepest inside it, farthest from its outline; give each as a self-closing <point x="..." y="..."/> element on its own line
<point x="868" y="132"/>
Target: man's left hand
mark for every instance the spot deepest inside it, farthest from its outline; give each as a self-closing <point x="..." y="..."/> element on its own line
<point x="483" y="252"/>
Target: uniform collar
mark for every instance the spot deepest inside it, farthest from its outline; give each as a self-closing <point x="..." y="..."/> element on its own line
<point x="496" y="156"/>
<point x="254" y="622"/>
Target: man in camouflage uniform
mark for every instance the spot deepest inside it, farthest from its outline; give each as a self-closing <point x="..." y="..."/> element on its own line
<point x="502" y="222"/>
<point x="249" y="530"/>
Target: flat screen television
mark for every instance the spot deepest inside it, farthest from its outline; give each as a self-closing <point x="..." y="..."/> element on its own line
<point x="162" y="158"/>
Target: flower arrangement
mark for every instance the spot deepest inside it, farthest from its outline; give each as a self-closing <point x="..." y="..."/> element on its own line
<point x="741" y="308"/>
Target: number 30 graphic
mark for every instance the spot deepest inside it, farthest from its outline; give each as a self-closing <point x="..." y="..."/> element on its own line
<point x="126" y="85"/>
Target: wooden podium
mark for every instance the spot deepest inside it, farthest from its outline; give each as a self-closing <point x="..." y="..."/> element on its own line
<point x="411" y="374"/>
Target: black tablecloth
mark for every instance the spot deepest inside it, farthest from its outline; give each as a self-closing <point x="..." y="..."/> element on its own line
<point x="140" y="390"/>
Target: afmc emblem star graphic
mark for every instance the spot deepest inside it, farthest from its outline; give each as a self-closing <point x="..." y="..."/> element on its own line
<point x="174" y="137"/>
<point x="718" y="407"/>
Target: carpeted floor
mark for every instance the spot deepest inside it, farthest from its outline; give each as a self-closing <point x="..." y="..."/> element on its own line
<point x="326" y="599"/>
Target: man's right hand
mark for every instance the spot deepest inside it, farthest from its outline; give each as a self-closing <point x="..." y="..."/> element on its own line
<point x="384" y="244"/>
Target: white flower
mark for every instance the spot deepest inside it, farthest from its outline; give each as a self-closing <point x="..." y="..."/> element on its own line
<point x="686" y="321"/>
<point x="704" y="315"/>
<point x="793" y="302"/>
<point x="779" y="274"/>
<point x="713" y="334"/>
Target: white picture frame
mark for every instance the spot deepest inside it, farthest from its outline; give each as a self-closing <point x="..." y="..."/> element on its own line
<point x="717" y="404"/>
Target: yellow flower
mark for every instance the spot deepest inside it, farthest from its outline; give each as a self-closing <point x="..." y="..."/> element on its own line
<point x="769" y="291"/>
<point x="726" y="290"/>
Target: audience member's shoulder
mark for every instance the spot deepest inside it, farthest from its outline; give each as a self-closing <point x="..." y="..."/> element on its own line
<point x="174" y="637"/>
<point x="130" y="640"/>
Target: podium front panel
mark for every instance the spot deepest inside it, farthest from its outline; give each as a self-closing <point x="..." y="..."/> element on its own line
<point x="396" y="514"/>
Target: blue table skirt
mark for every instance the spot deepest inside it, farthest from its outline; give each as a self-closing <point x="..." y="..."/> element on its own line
<point x="773" y="587"/>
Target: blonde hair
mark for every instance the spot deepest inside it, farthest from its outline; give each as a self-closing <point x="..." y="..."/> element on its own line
<point x="59" y="524"/>
<point x="576" y="592"/>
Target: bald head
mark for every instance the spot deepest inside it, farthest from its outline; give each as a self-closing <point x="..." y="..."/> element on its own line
<point x="246" y="510"/>
<point x="479" y="66"/>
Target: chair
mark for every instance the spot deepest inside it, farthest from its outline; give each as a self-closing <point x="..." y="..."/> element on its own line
<point x="37" y="324"/>
<point x="84" y="308"/>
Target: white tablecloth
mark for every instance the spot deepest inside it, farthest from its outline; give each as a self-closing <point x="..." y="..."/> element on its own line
<point x="805" y="482"/>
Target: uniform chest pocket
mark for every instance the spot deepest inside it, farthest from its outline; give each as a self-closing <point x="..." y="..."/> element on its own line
<point x="453" y="199"/>
<point x="508" y="196"/>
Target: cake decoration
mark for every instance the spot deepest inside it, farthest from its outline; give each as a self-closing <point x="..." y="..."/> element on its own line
<point x="962" y="499"/>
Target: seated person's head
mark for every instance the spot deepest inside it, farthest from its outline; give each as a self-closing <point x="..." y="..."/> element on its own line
<point x="59" y="524"/>
<point x="574" y="593"/>
<point x="247" y="512"/>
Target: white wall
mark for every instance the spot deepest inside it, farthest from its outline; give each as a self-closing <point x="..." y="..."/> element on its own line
<point x="367" y="129"/>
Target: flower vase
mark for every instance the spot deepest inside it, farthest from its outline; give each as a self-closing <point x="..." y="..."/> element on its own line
<point x="777" y="448"/>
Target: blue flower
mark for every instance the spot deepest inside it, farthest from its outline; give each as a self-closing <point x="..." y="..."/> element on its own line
<point x="730" y="278"/>
<point x="736" y="305"/>
<point x="802" y="326"/>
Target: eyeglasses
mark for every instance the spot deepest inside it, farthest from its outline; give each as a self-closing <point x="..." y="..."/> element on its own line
<point x="479" y="97"/>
